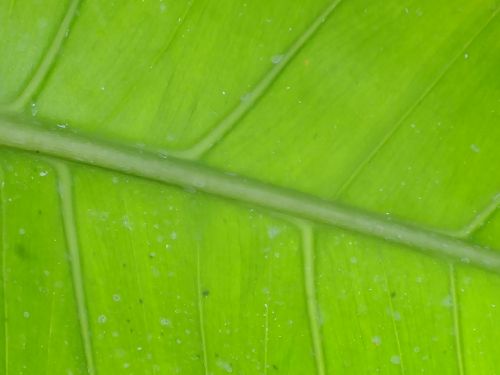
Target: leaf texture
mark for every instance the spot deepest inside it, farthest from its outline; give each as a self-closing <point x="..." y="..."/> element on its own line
<point x="249" y="187"/>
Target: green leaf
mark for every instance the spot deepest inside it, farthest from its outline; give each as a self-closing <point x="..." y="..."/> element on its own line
<point x="249" y="187"/>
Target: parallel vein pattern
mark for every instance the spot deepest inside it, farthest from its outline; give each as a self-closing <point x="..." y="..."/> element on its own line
<point x="185" y="173"/>
<point x="47" y="61"/>
<point x="385" y="139"/>
<point x="228" y="123"/>
<point x="121" y="103"/>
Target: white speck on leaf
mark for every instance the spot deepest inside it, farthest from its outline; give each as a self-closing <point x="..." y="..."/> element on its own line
<point x="465" y="260"/>
<point x="396" y="360"/>
<point x="447" y="301"/>
<point x="395" y="314"/>
<point x="34" y="109"/>
<point x="171" y="137"/>
<point x="224" y="365"/>
<point x="165" y="322"/>
<point x="475" y="148"/>
<point x="101" y="319"/>
<point x="126" y="222"/>
<point x="247" y="97"/>
<point x="276" y="59"/>
<point x="273" y="232"/>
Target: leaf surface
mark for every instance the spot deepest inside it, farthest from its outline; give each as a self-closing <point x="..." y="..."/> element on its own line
<point x="249" y="187"/>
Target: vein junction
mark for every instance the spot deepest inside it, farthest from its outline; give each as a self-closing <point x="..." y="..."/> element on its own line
<point x="69" y="146"/>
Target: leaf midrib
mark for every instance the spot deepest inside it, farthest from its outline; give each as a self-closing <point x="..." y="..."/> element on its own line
<point x="227" y="124"/>
<point x="72" y="147"/>
<point x="29" y="137"/>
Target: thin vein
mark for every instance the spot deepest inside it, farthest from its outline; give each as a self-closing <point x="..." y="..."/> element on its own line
<point x="201" y="318"/>
<point x="51" y="332"/>
<point x="311" y="296"/>
<point x="133" y="88"/>
<point x="473" y="226"/>
<point x="479" y="220"/>
<point x="68" y="217"/>
<point x="185" y="173"/>
<point x="392" y="131"/>
<point x="175" y="35"/>
<point x="11" y="7"/>
<point x="394" y="325"/>
<point x="228" y="123"/>
<point x="4" y="269"/>
<point x="136" y="274"/>
<point x="266" y="338"/>
<point x="456" y="320"/>
<point x="47" y="61"/>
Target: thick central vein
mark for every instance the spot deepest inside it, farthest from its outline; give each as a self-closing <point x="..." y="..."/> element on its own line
<point x="184" y="173"/>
